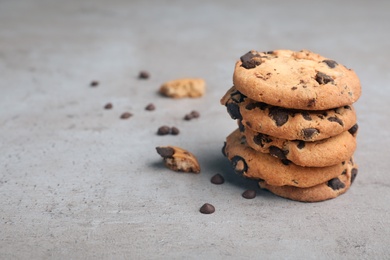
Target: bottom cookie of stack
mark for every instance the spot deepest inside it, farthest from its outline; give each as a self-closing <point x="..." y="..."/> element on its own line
<point x="288" y="180"/>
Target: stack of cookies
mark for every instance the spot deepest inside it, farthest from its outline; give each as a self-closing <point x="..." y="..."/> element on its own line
<point x="296" y="124"/>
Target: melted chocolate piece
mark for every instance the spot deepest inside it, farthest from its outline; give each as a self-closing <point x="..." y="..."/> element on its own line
<point x="234" y="111"/>
<point x="239" y="165"/>
<point x="254" y="105"/>
<point x="250" y="60"/>
<point x="335" y="184"/>
<point x="279" y="115"/>
<point x="309" y="132"/>
<point x="322" y="78"/>
<point x="353" y="130"/>
<point x="165" y="152"/>
<point x="336" y="119"/>
<point x="311" y="102"/>
<point x="354" y="173"/>
<point x="277" y="152"/>
<point x="301" y="145"/>
<point x="261" y="139"/>
<point x="306" y="116"/>
<point x="331" y="63"/>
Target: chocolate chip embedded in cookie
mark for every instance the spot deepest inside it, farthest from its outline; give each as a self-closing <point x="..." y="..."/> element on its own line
<point x="290" y="124"/>
<point x="324" y="191"/>
<point x="257" y="165"/>
<point x="326" y="152"/>
<point x="299" y="80"/>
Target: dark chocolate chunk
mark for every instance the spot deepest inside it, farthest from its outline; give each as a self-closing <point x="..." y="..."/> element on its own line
<point x="277" y="152"/>
<point x="254" y="105"/>
<point x="353" y="130"/>
<point x="150" y="107"/>
<point x="164" y="130"/>
<point x="126" y="115"/>
<point x="239" y="165"/>
<point x="331" y="63"/>
<point x="144" y="75"/>
<point x="165" y="152"/>
<point x="94" y="83"/>
<point x="241" y="126"/>
<point x="306" y="116"/>
<point x="108" y="106"/>
<point x="217" y="179"/>
<point x="322" y="78"/>
<point x="174" y="130"/>
<point x="294" y="88"/>
<point x="223" y="149"/>
<point x="286" y="161"/>
<point x="279" y="115"/>
<point x="261" y="139"/>
<point x="335" y="184"/>
<point x="237" y="96"/>
<point x="250" y="60"/>
<point x="336" y="119"/>
<point x="311" y="102"/>
<point x="249" y="194"/>
<point x="207" y="209"/>
<point x="234" y="111"/>
<point x="354" y="173"/>
<point x="301" y="145"/>
<point x="308" y="133"/>
<point x="347" y="107"/>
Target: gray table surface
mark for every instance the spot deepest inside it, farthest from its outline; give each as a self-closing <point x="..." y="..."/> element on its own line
<point x="77" y="182"/>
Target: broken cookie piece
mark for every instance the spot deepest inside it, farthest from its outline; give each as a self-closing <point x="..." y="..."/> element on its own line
<point x="181" y="88"/>
<point x="178" y="159"/>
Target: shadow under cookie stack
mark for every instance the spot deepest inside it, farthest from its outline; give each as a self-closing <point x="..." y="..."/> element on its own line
<point x="296" y="124"/>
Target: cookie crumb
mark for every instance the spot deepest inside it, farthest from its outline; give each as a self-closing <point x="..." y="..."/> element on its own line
<point x="126" y="115"/>
<point x="207" y="208"/>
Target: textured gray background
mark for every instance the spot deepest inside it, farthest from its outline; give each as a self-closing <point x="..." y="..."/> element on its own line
<point x="78" y="182"/>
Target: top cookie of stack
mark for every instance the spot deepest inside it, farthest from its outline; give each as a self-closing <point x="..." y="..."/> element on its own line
<point x="299" y="80"/>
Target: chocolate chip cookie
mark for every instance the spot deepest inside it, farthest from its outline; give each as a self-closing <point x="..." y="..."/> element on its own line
<point x="257" y="165"/>
<point x="324" y="191"/>
<point x="290" y="124"/>
<point x="321" y="153"/>
<point x="299" y="80"/>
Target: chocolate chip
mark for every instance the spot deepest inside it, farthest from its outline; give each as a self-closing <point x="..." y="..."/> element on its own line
<point x="347" y="107"/>
<point x="336" y="119"/>
<point x="241" y="126"/>
<point x="94" y="83"/>
<point x="223" y="149"/>
<point x="250" y="60"/>
<point x="239" y="165"/>
<point x="279" y="115"/>
<point x="126" y="115"/>
<point x="322" y="78"/>
<point x="294" y="88"/>
<point x="254" y="105"/>
<point x="174" y="130"/>
<point x="354" y="173"/>
<point x="309" y="132"/>
<point x="261" y="139"/>
<point x="306" y="116"/>
<point x="150" y="107"/>
<point x="301" y="145"/>
<point x="164" y="130"/>
<point x="353" y="130"/>
<point x="108" y="106"/>
<point x="277" y="152"/>
<point x="217" y="179"/>
<point x="234" y="111"/>
<point x="331" y="63"/>
<point x="335" y="184"/>
<point x="237" y="96"/>
<point x="207" y="209"/>
<point x="143" y="74"/>
<point x="311" y="102"/>
<point x="285" y="161"/>
<point x="165" y="152"/>
<point x="249" y="194"/>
